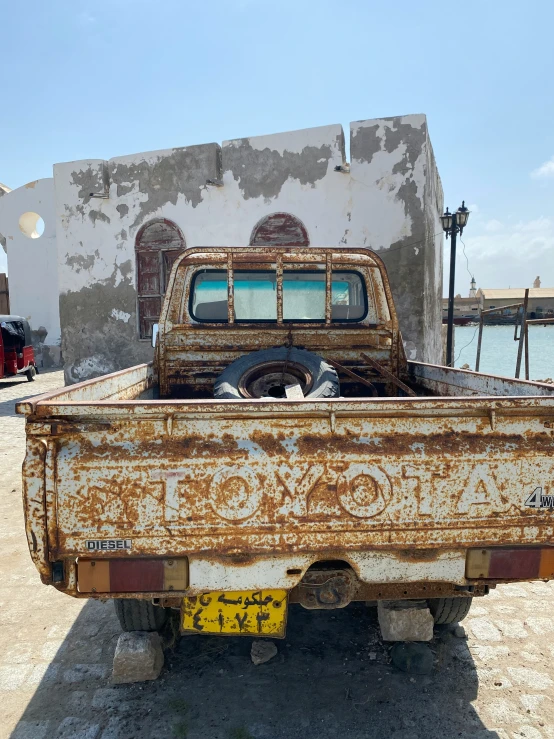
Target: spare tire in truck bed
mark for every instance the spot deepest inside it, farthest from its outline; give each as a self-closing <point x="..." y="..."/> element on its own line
<point x="265" y="373"/>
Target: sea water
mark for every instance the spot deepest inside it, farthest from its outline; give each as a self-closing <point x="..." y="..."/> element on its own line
<point x="499" y="350"/>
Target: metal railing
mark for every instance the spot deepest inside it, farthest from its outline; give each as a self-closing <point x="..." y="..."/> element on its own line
<point x="522" y="323"/>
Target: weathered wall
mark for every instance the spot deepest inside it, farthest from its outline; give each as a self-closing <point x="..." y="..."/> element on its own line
<point x="96" y="253"/>
<point x="33" y="264"/>
<point x="390" y="200"/>
<point x="397" y="201"/>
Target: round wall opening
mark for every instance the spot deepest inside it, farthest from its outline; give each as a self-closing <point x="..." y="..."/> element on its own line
<point x="31" y="224"/>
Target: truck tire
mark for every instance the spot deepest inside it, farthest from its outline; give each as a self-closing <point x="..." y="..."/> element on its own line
<point x="449" y="610"/>
<point x="139" y="615"/>
<point x="30" y="374"/>
<point x="263" y="374"/>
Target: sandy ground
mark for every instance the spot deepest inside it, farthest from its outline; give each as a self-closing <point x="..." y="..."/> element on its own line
<point x="332" y="676"/>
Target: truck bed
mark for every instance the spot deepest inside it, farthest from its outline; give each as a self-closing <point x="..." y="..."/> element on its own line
<point x="255" y="491"/>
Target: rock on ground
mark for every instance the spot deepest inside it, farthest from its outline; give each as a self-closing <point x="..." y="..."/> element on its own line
<point x="138" y="657"/>
<point x="405" y="621"/>
<point x="262" y="651"/>
<point x="412" y="657"/>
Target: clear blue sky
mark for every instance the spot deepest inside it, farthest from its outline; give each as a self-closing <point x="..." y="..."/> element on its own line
<point x="113" y="77"/>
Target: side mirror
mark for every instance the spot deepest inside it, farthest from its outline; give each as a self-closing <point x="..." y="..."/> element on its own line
<point x="155" y="331"/>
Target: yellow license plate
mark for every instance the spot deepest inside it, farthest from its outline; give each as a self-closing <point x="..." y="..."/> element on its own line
<point x="237" y="613"/>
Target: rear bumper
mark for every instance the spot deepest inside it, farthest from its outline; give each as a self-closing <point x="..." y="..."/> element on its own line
<point x="373" y="570"/>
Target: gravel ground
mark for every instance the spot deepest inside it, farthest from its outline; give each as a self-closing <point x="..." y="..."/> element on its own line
<point x="332" y="675"/>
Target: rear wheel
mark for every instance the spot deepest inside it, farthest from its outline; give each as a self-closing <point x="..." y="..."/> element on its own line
<point x="140" y="615"/>
<point x="30" y="374"/>
<point x="449" y="610"/>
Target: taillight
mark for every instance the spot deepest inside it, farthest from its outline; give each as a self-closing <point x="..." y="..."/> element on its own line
<point x="131" y="575"/>
<point x="517" y="563"/>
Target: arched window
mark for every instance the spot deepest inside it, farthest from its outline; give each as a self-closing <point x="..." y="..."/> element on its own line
<point x="280" y="229"/>
<point x="157" y="246"/>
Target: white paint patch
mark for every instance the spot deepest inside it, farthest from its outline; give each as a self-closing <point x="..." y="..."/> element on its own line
<point x="381" y="567"/>
<point x="120" y="315"/>
<point x="94" y="366"/>
<point x="410" y="349"/>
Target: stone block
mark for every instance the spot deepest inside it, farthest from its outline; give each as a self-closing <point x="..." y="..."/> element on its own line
<point x="262" y="651"/>
<point x="405" y="620"/>
<point x="138" y="657"/>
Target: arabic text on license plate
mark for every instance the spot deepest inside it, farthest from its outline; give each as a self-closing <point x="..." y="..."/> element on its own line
<point x="252" y="612"/>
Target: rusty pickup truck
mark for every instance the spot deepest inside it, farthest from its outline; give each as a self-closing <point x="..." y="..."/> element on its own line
<point x="281" y="449"/>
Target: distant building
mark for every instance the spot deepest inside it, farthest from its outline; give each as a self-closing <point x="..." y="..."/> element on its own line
<point x="466" y="310"/>
<point x="541" y="300"/>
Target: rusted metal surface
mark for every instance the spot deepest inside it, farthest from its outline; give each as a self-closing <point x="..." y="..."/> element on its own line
<point x="384" y="372"/>
<point x="521" y="338"/>
<point x="194" y="354"/>
<point x="449" y="382"/>
<point x="255" y="492"/>
<point x="530" y="322"/>
<point x="490" y="311"/>
<point x="501" y="308"/>
<point x="274" y="477"/>
<point x="520" y="322"/>
<point x="326" y="589"/>
<point x="354" y="376"/>
<point x="370" y="592"/>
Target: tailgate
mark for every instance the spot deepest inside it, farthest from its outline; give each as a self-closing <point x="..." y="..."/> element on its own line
<point x="285" y="477"/>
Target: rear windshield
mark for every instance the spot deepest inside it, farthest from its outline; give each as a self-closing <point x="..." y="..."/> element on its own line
<point x="256" y="296"/>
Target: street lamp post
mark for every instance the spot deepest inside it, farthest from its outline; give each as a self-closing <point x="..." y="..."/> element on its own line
<point x="452" y="224"/>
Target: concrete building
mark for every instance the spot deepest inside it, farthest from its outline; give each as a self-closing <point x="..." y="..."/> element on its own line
<point x="113" y="228"/>
<point x="466" y="310"/>
<point x="541" y="300"/>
